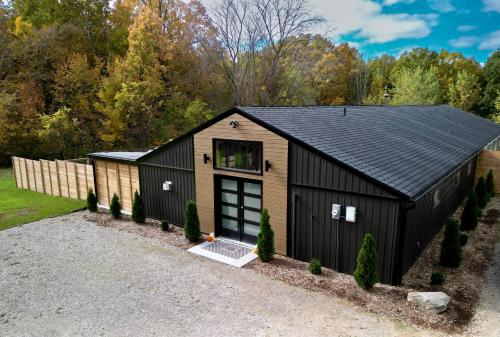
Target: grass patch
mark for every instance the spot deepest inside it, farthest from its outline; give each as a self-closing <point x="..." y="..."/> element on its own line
<point x="19" y="206"/>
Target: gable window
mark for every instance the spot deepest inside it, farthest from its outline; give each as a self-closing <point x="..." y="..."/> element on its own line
<point x="436" y="197"/>
<point x="238" y="155"/>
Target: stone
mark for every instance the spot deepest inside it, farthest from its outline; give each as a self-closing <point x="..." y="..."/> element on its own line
<point x="434" y="302"/>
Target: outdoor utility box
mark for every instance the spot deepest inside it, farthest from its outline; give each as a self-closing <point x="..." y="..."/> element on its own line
<point x="336" y="211"/>
<point x="167" y="186"/>
<point x="350" y="214"/>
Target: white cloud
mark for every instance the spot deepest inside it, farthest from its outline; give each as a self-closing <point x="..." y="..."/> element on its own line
<point x="466" y="28"/>
<point x="491" y="6"/>
<point x="366" y="20"/>
<point x="443" y="6"/>
<point x="463" y="41"/>
<point x="393" y="2"/>
<point x="490" y="41"/>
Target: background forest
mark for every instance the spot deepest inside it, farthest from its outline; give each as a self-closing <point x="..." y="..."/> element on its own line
<point x="78" y="76"/>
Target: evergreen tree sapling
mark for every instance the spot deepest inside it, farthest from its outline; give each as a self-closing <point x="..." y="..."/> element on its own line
<point x="91" y="201"/>
<point x="138" y="210"/>
<point x="481" y="193"/>
<point x="265" y="239"/>
<point x="490" y="184"/>
<point x="470" y="213"/>
<point x="451" y="250"/>
<point x="366" y="273"/>
<point x="192" y="230"/>
<point x="115" y="207"/>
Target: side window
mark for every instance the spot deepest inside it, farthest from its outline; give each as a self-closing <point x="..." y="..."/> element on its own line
<point x="437" y="197"/>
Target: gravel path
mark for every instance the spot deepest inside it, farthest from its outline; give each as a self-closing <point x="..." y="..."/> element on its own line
<point x="486" y="322"/>
<point x="68" y="277"/>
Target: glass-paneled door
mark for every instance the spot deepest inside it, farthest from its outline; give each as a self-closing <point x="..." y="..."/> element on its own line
<point x="239" y="205"/>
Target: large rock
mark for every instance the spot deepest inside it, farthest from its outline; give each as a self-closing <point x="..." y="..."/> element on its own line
<point x="435" y="302"/>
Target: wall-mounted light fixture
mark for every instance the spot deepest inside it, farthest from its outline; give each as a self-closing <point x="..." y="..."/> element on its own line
<point x="233" y="124"/>
<point x="267" y="165"/>
<point x="167" y="186"/>
<point x="206" y="158"/>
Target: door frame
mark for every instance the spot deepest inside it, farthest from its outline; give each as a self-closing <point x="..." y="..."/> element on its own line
<point x="218" y="203"/>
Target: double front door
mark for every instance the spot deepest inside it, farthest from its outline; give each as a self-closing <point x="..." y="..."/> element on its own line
<point x="238" y="208"/>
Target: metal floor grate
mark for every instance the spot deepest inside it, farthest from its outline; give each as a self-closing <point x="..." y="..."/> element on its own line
<point x="228" y="249"/>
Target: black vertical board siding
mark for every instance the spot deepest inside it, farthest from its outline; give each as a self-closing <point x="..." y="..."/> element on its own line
<point x="179" y="154"/>
<point x="318" y="183"/>
<point x="175" y="163"/>
<point x="425" y="220"/>
<point x="316" y="203"/>
<point x="166" y="205"/>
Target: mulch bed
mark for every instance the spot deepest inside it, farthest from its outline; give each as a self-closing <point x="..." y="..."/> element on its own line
<point x="462" y="284"/>
<point x="151" y="229"/>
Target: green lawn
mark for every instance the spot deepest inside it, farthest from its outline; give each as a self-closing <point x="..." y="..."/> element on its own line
<point x="19" y="206"/>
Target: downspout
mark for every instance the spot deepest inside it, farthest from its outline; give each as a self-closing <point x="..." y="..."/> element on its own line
<point x="397" y="273"/>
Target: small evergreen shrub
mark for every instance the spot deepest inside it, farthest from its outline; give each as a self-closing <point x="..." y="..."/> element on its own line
<point x="91" y="201"/>
<point x="191" y="222"/>
<point x="470" y="213"/>
<point x="164" y="226"/>
<point x="315" y="266"/>
<point x="481" y="193"/>
<point x="463" y="239"/>
<point x="366" y="273"/>
<point x="138" y="211"/>
<point x="451" y="250"/>
<point x="490" y="184"/>
<point x="437" y="278"/>
<point x="265" y="239"/>
<point x="115" y="207"/>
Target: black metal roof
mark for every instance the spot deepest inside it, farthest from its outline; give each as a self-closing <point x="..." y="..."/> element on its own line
<point x="119" y="156"/>
<point x="405" y="148"/>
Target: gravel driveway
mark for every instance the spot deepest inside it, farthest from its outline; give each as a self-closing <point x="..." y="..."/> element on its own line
<point x="69" y="277"/>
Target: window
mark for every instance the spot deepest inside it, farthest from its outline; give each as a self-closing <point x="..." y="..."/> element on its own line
<point x="238" y="155"/>
<point x="469" y="168"/>
<point x="437" y="197"/>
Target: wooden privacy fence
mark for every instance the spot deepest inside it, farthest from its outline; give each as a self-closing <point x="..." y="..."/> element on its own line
<point x="58" y="178"/>
<point x="489" y="160"/>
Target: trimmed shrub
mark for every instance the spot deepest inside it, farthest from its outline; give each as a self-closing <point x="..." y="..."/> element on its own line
<point x="164" y="226"/>
<point x="91" y="201"/>
<point x="481" y="193"/>
<point x="490" y="184"/>
<point x="463" y="239"/>
<point x="115" y="207"/>
<point x="138" y="211"/>
<point x="470" y="213"/>
<point x="437" y="278"/>
<point x="265" y="239"/>
<point x="315" y="266"/>
<point x="451" y="250"/>
<point x="191" y="222"/>
<point x="366" y="273"/>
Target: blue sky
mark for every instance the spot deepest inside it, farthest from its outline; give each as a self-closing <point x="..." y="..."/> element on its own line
<point x="393" y="26"/>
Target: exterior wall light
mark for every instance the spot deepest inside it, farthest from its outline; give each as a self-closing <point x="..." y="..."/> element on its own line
<point x="167" y="186"/>
<point x="206" y="158"/>
<point x="267" y="165"/>
<point x="233" y="124"/>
